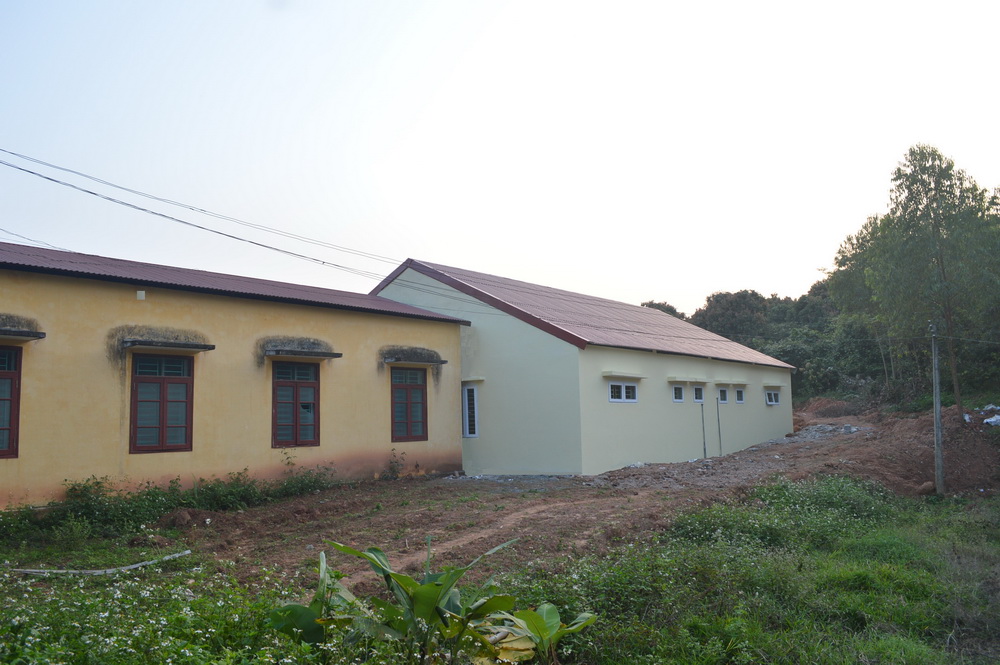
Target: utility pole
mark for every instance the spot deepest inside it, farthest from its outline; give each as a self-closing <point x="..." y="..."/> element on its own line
<point x="938" y="447"/>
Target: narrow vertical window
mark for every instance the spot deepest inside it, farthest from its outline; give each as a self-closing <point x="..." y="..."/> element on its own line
<point x="295" y="406"/>
<point x="10" y="393"/>
<point x="470" y="412"/>
<point x="409" y="404"/>
<point x="699" y="394"/>
<point x="739" y="395"/>
<point x="161" y="403"/>
<point x="723" y="395"/>
<point x="678" y="393"/>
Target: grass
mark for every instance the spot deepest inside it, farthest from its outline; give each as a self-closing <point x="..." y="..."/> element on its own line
<point x="95" y="509"/>
<point x="828" y="572"/>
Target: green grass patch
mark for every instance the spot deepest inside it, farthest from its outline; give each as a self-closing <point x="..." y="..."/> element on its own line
<point x="832" y="571"/>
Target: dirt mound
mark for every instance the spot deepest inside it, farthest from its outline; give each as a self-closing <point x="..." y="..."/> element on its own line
<point x="822" y="407"/>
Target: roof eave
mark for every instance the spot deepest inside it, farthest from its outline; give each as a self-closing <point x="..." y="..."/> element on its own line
<point x="59" y="272"/>
<point x="777" y="364"/>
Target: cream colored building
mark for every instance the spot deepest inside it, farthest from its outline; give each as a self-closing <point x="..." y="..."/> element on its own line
<point x="139" y="372"/>
<point x="555" y="382"/>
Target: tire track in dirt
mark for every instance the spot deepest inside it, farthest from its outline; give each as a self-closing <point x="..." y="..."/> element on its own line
<point x="402" y="561"/>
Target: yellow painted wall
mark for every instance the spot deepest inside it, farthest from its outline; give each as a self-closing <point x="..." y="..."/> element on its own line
<point x="655" y="428"/>
<point x="75" y="396"/>
<point x="529" y="403"/>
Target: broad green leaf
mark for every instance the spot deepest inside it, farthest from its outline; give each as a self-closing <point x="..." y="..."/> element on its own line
<point x="299" y="622"/>
<point x="550" y="615"/>
<point x="579" y="623"/>
<point x="534" y="623"/>
<point x="486" y="606"/>
<point x="426" y="598"/>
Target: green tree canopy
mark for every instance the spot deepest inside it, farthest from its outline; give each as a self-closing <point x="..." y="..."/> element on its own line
<point x="934" y="257"/>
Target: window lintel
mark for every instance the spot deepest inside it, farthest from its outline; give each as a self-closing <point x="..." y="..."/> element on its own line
<point x="613" y="374"/>
<point x="685" y="379"/>
<point x="415" y="363"/>
<point x="291" y="354"/>
<point x="161" y="345"/>
<point x="16" y="335"/>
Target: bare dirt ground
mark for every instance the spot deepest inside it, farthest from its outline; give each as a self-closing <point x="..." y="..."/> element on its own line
<point x="552" y="516"/>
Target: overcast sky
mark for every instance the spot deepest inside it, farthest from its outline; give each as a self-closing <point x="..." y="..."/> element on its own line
<point x="630" y="150"/>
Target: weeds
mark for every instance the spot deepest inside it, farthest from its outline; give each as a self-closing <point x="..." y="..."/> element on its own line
<point x="96" y="508"/>
<point x="832" y="572"/>
<point x="394" y="466"/>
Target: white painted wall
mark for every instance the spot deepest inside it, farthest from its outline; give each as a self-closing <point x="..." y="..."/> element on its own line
<point x="657" y="429"/>
<point x="527" y="380"/>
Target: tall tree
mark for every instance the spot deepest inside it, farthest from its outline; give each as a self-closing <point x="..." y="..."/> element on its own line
<point x="934" y="257"/>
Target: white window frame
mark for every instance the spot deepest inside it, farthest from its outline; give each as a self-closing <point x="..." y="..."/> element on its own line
<point x="467" y="390"/>
<point x="772" y="397"/>
<point x="740" y="395"/>
<point x="694" y="392"/>
<point x="673" y="394"/>
<point x="723" y="395"/>
<point x="624" y="391"/>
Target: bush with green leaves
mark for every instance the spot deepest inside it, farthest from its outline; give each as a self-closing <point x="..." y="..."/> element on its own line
<point x="431" y="620"/>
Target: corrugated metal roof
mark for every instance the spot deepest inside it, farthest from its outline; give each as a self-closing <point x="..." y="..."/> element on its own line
<point x="22" y="257"/>
<point x="581" y="320"/>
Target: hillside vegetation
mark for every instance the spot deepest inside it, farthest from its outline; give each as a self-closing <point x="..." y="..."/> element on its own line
<point x="863" y="331"/>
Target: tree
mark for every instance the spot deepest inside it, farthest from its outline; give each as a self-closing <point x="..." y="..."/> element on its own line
<point x="934" y="257"/>
<point x="665" y="307"/>
<point x="739" y="316"/>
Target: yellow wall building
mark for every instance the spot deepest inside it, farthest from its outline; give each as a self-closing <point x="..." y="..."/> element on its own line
<point x="137" y="372"/>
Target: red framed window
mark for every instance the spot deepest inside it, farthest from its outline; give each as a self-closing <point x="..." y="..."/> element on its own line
<point x="10" y="399"/>
<point x="409" y="404"/>
<point x="162" y="402"/>
<point x="295" y="407"/>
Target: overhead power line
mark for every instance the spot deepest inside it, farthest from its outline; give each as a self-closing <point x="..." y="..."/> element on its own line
<point x="204" y="211"/>
<point x="231" y="236"/>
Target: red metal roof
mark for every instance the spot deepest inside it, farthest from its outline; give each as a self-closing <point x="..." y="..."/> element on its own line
<point x="35" y="259"/>
<point x="581" y="320"/>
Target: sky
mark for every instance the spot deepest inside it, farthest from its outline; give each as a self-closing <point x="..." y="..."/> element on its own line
<point x="630" y="150"/>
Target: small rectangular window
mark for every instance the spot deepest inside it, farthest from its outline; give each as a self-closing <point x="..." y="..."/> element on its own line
<point x="723" y="396"/>
<point x="10" y="393"/>
<point x="409" y="404"/>
<point x="739" y="395"/>
<point x="773" y="397"/>
<point x="295" y="405"/>
<point x="623" y="392"/>
<point x="161" y="404"/>
<point x="699" y="394"/>
<point x="678" y="393"/>
<point x="470" y="412"/>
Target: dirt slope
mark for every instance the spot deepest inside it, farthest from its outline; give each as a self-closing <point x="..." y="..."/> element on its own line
<point x="550" y="515"/>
